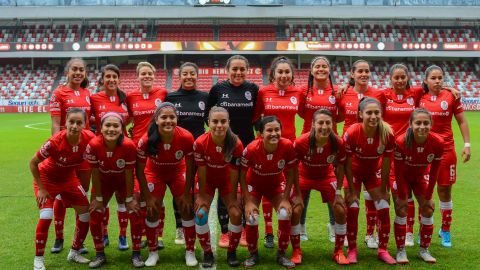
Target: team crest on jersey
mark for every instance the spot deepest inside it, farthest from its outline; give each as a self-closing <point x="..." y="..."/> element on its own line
<point x="151" y="187"/>
<point x="444" y="105"/>
<point x="87" y="98"/>
<point x="332" y="99"/>
<point x="158" y="102"/>
<point x="330" y="158"/>
<point x="201" y="105"/>
<point x="281" y="164"/>
<point x="248" y="95"/>
<point x="293" y="100"/>
<point x="120" y="163"/>
<point x="410" y="101"/>
<point x="380" y="149"/>
<point x="430" y="158"/>
<point x="124" y="107"/>
<point x="179" y="154"/>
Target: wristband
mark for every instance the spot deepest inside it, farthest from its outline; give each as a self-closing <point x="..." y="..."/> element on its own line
<point x="338" y="192"/>
<point x="128" y="199"/>
<point x="467" y="144"/>
<point x="99" y="198"/>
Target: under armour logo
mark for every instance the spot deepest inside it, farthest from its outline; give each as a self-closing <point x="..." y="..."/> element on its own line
<point x="224" y="95"/>
<point x="178" y="105"/>
<point x="258" y="166"/>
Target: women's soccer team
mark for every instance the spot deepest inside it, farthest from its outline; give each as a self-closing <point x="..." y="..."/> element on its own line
<point x="397" y="140"/>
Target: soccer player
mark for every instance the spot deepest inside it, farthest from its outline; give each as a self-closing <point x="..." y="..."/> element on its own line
<point x="418" y="154"/>
<point x="191" y="107"/>
<point x="112" y="158"/>
<point x="239" y="97"/>
<point x="165" y="157"/>
<point x="141" y="107"/>
<point x="112" y="99"/>
<point x="54" y="173"/>
<point x="348" y="112"/>
<point x="217" y="156"/>
<point x="318" y="151"/>
<point x="443" y="106"/>
<point x="369" y="146"/>
<point x="279" y="98"/>
<point x="73" y="94"/>
<point x="319" y="93"/>
<point x="269" y="167"/>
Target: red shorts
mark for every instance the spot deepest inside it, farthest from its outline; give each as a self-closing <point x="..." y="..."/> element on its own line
<point x="418" y="185"/>
<point x="369" y="181"/>
<point x="326" y="187"/>
<point x="112" y="184"/>
<point x="72" y="192"/>
<point x="268" y="192"/>
<point x="158" y="186"/>
<point x="447" y="173"/>
<point x="85" y="166"/>
<point x="224" y="187"/>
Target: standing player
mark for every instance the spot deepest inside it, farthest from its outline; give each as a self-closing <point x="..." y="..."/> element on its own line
<point x="165" y="157"/>
<point x="369" y="146"/>
<point x="319" y="93"/>
<point x="54" y="172"/>
<point x="348" y="111"/>
<point x="269" y="170"/>
<point x="418" y="154"/>
<point x="318" y="151"/>
<point x="71" y="95"/>
<point x="217" y="156"/>
<point x="238" y="96"/>
<point x="112" y="99"/>
<point x="279" y="98"/>
<point x="443" y="106"/>
<point x="112" y="158"/>
<point x="141" y="107"/>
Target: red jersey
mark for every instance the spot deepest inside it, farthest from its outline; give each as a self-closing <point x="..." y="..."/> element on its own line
<point x="416" y="159"/>
<point x="65" y="98"/>
<point x="366" y="152"/>
<point x="169" y="161"/>
<point x="208" y="154"/>
<point x="282" y="104"/>
<point x="103" y="103"/>
<point x="442" y="107"/>
<point x="348" y="105"/>
<point x="111" y="162"/>
<point x="318" y="166"/>
<point x="60" y="159"/>
<point x="141" y="107"/>
<point x="317" y="99"/>
<point x="398" y="108"/>
<point x="266" y="170"/>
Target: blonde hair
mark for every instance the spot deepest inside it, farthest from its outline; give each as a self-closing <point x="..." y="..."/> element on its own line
<point x="145" y="64"/>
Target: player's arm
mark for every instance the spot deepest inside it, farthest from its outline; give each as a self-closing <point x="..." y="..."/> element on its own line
<point x="42" y="192"/>
<point x="465" y="130"/>
<point x="55" y="124"/>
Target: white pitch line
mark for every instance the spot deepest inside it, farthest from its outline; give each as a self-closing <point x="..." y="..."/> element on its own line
<point x="32" y="126"/>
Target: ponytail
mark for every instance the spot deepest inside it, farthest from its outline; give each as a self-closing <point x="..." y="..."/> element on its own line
<point x="409" y="138"/>
<point x="384" y="130"/>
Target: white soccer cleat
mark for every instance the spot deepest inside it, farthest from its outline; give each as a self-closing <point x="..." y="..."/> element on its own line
<point x="152" y="259"/>
<point x="190" y="258"/>
<point x="179" y="237"/>
<point x="331" y="232"/>
<point x="370" y="241"/>
<point x="38" y="263"/>
<point x="424" y="254"/>
<point x="75" y="256"/>
<point x="409" y="241"/>
<point x="402" y="256"/>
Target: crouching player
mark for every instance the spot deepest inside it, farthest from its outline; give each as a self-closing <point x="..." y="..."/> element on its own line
<point x="417" y="162"/>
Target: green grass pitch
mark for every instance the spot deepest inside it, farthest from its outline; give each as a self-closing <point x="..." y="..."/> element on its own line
<point x="19" y="214"/>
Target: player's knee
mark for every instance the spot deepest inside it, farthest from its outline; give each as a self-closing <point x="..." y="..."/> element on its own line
<point x="85" y="217"/>
<point x="339" y="210"/>
<point x="234" y="212"/>
<point x="283" y="214"/>
<point x="427" y="211"/>
<point x="46" y="213"/>
<point x="401" y="207"/>
<point x="297" y="210"/>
